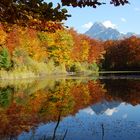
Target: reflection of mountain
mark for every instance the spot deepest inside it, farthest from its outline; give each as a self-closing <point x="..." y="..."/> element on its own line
<point x="101" y="107"/>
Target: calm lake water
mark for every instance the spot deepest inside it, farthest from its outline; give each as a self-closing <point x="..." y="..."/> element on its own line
<point x="71" y="108"/>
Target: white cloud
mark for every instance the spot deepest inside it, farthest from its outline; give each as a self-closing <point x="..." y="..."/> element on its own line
<point x="109" y="24"/>
<point x="137" y="9"/>
<point x="109" y="112"/>
<point x="89" y="111"/>
<point x="87" y="25"/>
<point x="123" y="19"/>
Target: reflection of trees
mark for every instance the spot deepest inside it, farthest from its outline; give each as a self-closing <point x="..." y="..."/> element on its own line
<point x="5" y="96"/>
<point x="35" y="104"/>
<point x="124" y="90"/>
<point x="86" y="94"/>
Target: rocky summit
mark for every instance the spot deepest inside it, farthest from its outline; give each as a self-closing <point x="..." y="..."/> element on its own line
<point x="99" y="31"/>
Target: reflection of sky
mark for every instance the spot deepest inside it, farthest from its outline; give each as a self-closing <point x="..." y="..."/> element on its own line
<point x="118" y="123"/>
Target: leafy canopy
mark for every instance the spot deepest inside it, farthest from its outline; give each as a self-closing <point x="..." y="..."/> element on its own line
<point x="15" y="11"/>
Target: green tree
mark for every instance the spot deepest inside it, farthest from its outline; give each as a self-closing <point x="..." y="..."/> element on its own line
<point x="5" y="61"/>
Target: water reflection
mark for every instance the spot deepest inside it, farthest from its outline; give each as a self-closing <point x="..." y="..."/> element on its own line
<point x="70" y="108"/>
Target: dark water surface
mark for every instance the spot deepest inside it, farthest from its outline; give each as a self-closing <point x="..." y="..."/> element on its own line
<point x="71" y="108"/>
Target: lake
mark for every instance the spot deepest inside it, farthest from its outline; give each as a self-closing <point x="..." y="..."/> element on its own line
<point x="71" y="108"/>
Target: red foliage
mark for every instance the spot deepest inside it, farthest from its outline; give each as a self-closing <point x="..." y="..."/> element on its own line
<point x="123" y="54"/>
<point x="13" y="40"/>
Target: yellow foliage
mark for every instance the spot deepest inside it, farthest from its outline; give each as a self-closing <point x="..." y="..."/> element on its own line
<point x="60" y="47"/>
<point x="2" y="36"/>
<point x="84" y="51"/>
<point x="32" y="45"/>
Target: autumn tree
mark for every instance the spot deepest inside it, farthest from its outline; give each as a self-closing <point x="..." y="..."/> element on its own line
<point x="59" y="47"/>
<point x="80" y="47"/>
<point x="122" y="55"/>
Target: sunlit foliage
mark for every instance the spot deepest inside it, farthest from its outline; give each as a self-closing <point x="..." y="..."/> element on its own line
<point x="63" y="51"/>
<point x="55" y="52"/>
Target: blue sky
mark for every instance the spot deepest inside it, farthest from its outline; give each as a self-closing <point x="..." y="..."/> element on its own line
<point x="124" y="18"/>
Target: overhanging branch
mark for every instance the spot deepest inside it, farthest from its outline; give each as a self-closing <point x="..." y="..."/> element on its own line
<point x="91" y="3"/>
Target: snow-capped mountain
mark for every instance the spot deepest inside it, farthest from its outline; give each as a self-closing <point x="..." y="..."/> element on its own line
<point x="99" y="31"/>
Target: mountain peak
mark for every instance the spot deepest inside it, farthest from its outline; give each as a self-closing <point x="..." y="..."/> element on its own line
<point x="101" y="32"/>
<point x="98" y="26"/>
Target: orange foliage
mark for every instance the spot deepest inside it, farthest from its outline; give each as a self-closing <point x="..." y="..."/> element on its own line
<point x="86" y="49"/>
<point x="2" y="35"/>
<point x="12" y="40"/>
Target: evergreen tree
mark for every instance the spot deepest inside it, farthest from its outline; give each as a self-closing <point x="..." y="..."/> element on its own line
<point x="5" y="61"/>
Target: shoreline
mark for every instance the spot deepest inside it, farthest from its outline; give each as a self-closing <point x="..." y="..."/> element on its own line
<point x="32" y="76"/>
